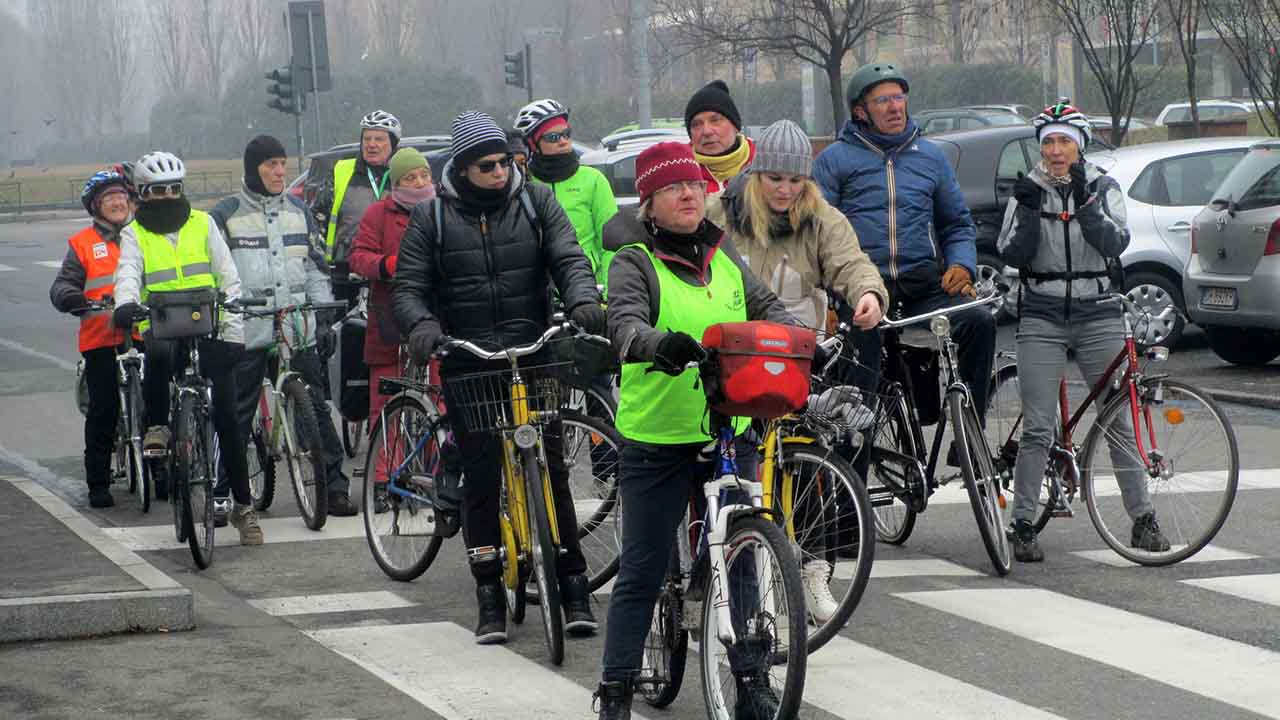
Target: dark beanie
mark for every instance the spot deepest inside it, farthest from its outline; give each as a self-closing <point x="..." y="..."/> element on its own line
<point x="713" y="96"/>
<point x="258" y="151"/>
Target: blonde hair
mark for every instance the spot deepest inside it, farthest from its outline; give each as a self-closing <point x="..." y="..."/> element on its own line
<point x="758" y="214"/>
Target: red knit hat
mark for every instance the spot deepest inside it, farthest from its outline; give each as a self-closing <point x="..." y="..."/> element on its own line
<point x="665" y="164"/>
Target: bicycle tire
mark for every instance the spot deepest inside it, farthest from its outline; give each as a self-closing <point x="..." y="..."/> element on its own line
<point x="980" y="480"/>
<point x="262" y="468"/>
<point x="1173" y="396"/>
<point x="837" y="486"/>
<point x="543" y="554"/>
<point x="792" y="653"/>
<point x="196" y="480"/>
<point x="139" y="474"/>
<point x="666" y="646"/>
<point x="302" y="455"/>
<point x="419" y="554"/>
<point x="352" y="432"/>
<point x="894" y="518"/>
<point x="1004" y="419"/>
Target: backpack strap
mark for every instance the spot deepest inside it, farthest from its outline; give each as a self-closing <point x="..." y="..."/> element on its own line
<point x="527" y="203"/>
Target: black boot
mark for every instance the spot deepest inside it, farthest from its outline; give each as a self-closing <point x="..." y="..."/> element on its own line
<point x="1026" y="547"/>
<point x="100" y="496"/>
<point x="340" y="505"/>
<point x="491" y="628"/>
<point x="614" y="700"/>
<point x="575" y="594"/>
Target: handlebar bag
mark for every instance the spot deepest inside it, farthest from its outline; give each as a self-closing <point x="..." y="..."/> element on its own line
<point x="763" y="368"/>
<point x="178" y="314"/>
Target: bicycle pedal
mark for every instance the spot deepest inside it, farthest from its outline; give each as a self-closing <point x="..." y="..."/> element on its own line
<point x="1062" y="511"/>
<point x="155" y="453"/>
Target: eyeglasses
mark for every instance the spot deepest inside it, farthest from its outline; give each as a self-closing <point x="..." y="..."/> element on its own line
<point x="557" y="136"/>
<point x="682" y="186"/>
<point x="173" y="189"/>
<point x="886" y="99"/>
<point x="487" y="166"/>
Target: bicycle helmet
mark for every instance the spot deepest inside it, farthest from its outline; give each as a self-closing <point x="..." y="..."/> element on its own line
<point x="158" y="167"/>
<point x="536" y="113"/>
<point x="382" y="120"/>
<point x="870" y="75"/>
<point x="99" y="182"/>
<point x="1063" y="113"/>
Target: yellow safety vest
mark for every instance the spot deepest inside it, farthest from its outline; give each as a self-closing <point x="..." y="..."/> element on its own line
<point x="343" y="171"/>
<point x="165" y="266"/>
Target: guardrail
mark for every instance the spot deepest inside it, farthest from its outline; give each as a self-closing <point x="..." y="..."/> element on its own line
<point x="18" y="196"/>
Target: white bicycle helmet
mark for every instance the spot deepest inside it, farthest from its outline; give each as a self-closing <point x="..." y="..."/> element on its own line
<point x="382" y="120"/>
<point x="158" y="167"/>
<point x="1064" y="113"/>
<point x="537" y="112"/>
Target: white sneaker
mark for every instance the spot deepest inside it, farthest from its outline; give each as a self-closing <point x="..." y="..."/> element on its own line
<point x="817" y="593"/>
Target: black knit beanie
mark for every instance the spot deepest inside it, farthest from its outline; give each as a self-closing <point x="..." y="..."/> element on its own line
<point x="258" y="151"/>
<point x="713" y="96"/>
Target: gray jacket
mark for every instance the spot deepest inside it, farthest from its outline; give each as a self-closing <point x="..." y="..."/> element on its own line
<point x="269" y="239"/>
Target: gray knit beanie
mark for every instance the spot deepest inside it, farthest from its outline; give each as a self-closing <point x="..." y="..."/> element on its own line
<point x="783" y="148"/>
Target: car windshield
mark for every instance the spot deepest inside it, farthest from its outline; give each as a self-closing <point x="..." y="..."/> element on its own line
<point x="1255" y="181"/>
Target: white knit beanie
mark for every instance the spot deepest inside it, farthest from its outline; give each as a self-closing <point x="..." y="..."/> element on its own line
<point x="784" y="148"/>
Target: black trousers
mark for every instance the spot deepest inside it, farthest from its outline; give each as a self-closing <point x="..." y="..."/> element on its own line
<point x="102" y="378"/>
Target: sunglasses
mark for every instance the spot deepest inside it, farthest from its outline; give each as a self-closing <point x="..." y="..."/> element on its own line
<point x="162" y="190"/>
<point x="487" y="166"/>
<point x="557" y="136"/>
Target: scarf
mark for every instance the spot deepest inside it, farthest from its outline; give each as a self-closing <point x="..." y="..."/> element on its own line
<point x="687" y="245"/>
<point x="164" y="216"/>
<point x="477" y="198"/>
<point x="723" y="167"/>
<point x="885" y="142"/>
<point x="407" y="198"/>
<point x="554" y="168"/>
<point x="1042" y="167"/>
<point x="109" y="230"/>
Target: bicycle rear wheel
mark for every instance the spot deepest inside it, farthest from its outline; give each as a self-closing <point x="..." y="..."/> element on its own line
<point x="1004" y="432"/>
<point x="980" y="479"/>
<point x="766" y="607"/>
<point x="302" y="455"/>
<point x="892" y="470"/>
<point x="542" y="554"/>
<point x="666" y="647"/>
<point x="1193" y="486"/>
<point x="402" y="539"/>
<point x="195" y="479"/>
<point x="592" y="449"/>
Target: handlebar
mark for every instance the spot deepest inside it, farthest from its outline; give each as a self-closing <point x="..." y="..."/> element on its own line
<point x="512" y="353"/>
<point x="917" y="319"/>
<point x="244" y="304"/>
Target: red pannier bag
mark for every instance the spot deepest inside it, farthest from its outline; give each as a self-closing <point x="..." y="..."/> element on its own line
<point x="764" y="367"/>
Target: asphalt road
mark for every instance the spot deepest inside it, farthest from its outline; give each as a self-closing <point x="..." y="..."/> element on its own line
<point x="308" y="627"/>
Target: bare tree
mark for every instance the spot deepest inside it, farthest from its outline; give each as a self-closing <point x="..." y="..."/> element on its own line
<point x="1249" y="30"/>
<point x="1185" y="16"/>
<point x="1021" y="24"/>
<point x="171" y="44"/>
<point x="212" y="32"/>
<point x="256" y="30"/>
<point x="437" y="16"/>
<point x="392" y="24"/>
<point x="119" y="59"/>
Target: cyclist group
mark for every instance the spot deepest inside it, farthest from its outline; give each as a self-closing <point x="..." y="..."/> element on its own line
<point x="728" y="229"/>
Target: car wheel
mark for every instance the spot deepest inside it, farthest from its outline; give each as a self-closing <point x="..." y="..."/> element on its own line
<point x="991" y="273"/>
<point x="1243" y="346"/>
<point x="1161" y="322"/>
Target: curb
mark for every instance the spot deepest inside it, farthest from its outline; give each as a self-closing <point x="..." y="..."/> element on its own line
<point x="1269" y="402"/>
<point x="163" y="606"/>
<point x="13" y="218"/>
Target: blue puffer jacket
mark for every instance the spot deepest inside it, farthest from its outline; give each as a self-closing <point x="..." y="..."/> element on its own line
<point x="901" y="195"/>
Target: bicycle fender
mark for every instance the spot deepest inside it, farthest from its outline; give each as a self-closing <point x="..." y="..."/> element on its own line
<point x="798" y="440"/>
<point x="742" y="511"/>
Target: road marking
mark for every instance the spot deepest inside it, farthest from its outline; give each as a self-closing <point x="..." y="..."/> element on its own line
<point x="1199" y="481"/>
<point x="55" y="264"/>
<point x="274" y="530"/>
<point x="1259" y="588"/>
<point x="908" y="568"/>
<point x="1217" y="668"/>
<point x="6" y="268"/>
<point x="54" y="359"/>
<point x="855" y="681"/>
<point x="440" y="666"/>
<point x="338" y="602"/>
<point x="1210" y="553"/>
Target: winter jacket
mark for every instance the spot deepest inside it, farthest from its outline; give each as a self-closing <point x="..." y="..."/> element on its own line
<point x="588" y="201"/>
<point x="799" y="267"/>
<point x="635" y="298"/>
<point x="130" y="270"/>
<point x="902" y="197"/>
<point x="377" y="242"/>
<point x="358" y="197"/>
<point x="486" y="279"/>
<point x="1040" y="243"/>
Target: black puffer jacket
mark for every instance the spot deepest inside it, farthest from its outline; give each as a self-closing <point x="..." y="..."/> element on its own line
<point x="487" y="281"/>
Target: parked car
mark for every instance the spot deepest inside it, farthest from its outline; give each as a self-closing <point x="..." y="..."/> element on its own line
<point x="611" y="142"/>
<point x="932" y="122"/>
<point x="1103" y="122"/>
<point x="618" y="163"/>
<point x="1025" y="111"/>
<point x="1165" y="185"/>
<point x="1208" y="110"/>
<point x="1232" y="279"/>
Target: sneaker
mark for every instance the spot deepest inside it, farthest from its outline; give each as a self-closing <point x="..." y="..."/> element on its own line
<point x="222" y="507"/>
<point x="245" y="520"/>
<point x="613" y="698"/>
<point x="814" y="576"/>
<point x="1026" y="548"/>
<point x="575" y="594"/>
<point x="1147" y="535"/>
<point x="340" y="505"/>
<point x="380" y="502"/>
<point x="156" y="441"/>
<point x="100" y="497"/>
<point x="756" y="698"/>
<point x="491" y="628"/>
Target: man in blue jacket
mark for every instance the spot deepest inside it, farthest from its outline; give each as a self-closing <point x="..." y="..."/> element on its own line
<point x="901" y="195"/>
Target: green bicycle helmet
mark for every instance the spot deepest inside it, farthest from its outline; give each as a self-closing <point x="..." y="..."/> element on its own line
<point x="870" y="75"/>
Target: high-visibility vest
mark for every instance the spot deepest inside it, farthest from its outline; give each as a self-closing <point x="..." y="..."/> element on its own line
<point x="343" y="171"/>
<point x="186" y="266"/>
<point x="98" y="257"/>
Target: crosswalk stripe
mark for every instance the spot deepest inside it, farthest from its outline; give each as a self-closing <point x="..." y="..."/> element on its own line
<point x="1252" y="479"/>
<point x="440" y="666"/>
<point x="1259" y="588"/>
<point x="333" y="603"/>
<point x="907" y="568"/>
<point x="7" y="268"/>
<point x="1210" y="553"/>
<point x="55" y="264"/>
<point x="856" y="682"/>
<point x="274" y="530"/>
<point x="1220" y="669"/>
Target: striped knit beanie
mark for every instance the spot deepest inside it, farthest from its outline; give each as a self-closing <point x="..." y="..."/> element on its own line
<point x="475" y="134"/>
<point x="666" y="163"/>
<point x="783" y="148"/>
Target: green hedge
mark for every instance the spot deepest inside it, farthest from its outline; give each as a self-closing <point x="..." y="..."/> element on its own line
<point x="1169" y="86"/>
<point x="948" y="86"/>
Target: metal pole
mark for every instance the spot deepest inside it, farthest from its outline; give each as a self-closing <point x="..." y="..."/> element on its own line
<point x="315" y="93"/>
<point x="640" y="40"/>
<point x="528" y="70"/>
<point x="302" y="150"/>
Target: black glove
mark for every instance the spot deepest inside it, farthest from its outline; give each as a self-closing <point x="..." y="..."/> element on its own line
<point x="590" y="317"/>
<point x="675" y="350"/>
<point x="326" y="341"/>
<point x="76" y="301"/>
<point x="1079" y="187"/>
<point x="423" y="339"/>
<point x="124" y="314"/>
<point x="1027" y="193"/>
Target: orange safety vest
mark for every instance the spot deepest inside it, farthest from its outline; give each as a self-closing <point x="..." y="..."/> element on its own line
<point x="98" y="257"/>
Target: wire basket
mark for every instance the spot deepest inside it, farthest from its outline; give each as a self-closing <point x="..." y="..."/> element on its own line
<point x="840" y="404"/>
<point x="481" y="401"/>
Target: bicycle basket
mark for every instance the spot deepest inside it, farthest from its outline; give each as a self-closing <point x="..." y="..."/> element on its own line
<point x="763" y="368"/>
<point x="177" y="314"/>
<point x="481" y="401"/>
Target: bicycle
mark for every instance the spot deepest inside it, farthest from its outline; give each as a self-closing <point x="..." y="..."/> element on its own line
<point x="285" y="425"/>
<point x="1141" y="419"/>
<point x="353" y="429"/>
<point x="902" y="474"/>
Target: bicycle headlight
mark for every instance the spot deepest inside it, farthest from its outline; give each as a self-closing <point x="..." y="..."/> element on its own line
<point x="525" y="437"/>
<point x="941" y="326"/>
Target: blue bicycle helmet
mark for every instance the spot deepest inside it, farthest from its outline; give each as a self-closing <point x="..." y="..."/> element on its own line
<point x="99" y="182"/>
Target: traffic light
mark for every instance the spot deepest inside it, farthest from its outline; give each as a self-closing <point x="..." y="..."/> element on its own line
<point x="282" y="88"/>
<point x="513" y="64"/>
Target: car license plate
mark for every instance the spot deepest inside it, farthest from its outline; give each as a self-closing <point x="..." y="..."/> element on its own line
<point x="1218" y="297"/>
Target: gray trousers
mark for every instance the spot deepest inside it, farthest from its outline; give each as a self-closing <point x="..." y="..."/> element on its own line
<point x="1042" y="362"/>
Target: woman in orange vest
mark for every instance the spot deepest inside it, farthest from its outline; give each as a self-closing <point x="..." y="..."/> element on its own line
<point x="88" y="273"/>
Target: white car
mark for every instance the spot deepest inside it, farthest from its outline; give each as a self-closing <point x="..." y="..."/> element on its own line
<point x="618" y="163"/>
<point x="1165" y="185"/>
<point x="1208" y="110"/>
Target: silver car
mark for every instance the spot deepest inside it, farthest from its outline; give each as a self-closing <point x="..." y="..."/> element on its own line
<point x="1232" y="280"/>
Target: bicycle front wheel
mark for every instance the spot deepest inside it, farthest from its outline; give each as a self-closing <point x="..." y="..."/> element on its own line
<point x="139" y="473"/>
<point x="543" y="554"/>
<point x="1190" y="484"/>
<point x="592" y="450"/>
<point x="196" y="480"/>
<point x="262" y="467"/>
<point x="981" y="480"/>
<point x="352" y="435"/>
<point x="765" y="600"/>
<point x="1004" y="433"/>
<point x="302" y="455"/>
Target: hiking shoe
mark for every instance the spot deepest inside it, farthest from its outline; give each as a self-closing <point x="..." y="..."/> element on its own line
<point x="156" y="441"/>
<point x="491" y="628"/>
<point x="100" y="497"/>
<point x="340" y="505"/>
<point x="756" y="699"/>
<point x="1026" y="548"/>
<point x="613" y="698"/>
<point x="245" y="520"/>
<point x="1147" y="535"/>
<point x="814" y="575"/>
<point x="575" y="594"/>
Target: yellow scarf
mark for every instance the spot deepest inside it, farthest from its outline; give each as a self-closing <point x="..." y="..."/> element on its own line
<point x="725" y="166"/>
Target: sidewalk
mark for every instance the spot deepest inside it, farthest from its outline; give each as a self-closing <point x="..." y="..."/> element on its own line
<point x="62" y="577"/>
